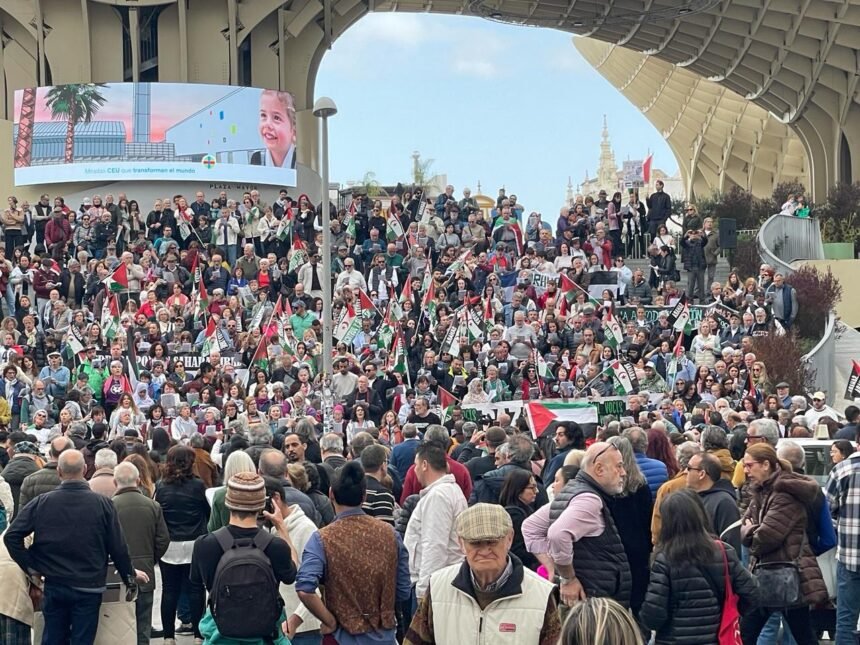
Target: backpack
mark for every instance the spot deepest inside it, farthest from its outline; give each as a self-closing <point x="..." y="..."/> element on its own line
<point x="244" y="599"/>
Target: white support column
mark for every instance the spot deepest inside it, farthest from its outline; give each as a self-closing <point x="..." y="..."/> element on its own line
<point x="40" y="42"/>
<point x="134" y="39"/>
<point x="232" y="40"/>
<point x="84" y="44"/>
<point x="182" y="11"/>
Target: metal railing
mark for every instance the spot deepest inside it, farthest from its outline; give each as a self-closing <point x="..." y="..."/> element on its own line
<point x="782" y="240"/>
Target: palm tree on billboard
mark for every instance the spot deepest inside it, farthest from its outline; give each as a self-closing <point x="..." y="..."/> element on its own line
<point x="74" y="104"/>
<point x="24" y="143"/>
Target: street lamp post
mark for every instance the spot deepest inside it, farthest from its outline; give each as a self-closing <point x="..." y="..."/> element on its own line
<point x="324" y="108"/>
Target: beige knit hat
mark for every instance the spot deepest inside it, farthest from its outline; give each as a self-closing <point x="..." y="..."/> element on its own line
<point x="246" y="492"/>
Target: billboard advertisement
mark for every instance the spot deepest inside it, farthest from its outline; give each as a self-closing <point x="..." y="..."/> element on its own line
<point x="154" y="132"/>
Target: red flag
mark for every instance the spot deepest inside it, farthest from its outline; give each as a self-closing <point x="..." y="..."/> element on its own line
<point x="646" y="169"/>
<point x="679" y="345"/>
<point x="406" y="294"/>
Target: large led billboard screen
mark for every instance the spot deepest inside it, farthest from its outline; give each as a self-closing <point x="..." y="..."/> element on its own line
<point x="154" y="131"/>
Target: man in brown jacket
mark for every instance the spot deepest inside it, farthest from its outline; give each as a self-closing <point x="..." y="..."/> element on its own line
<point x="204" y="467"/>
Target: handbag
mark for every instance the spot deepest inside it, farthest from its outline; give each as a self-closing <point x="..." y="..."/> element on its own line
<point x="779" y="584"/>
<point x="730" y="619"/>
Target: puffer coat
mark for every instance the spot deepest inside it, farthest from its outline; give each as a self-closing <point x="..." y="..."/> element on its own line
<point x="681" y="604"/>
<point x="779" y="510"/>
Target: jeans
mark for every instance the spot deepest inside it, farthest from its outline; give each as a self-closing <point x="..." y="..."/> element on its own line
<point x="172" y="580"/>
<point x="143" y="616"/>
<point x="770" y="634"/>
<point x="696" y="284"/>
<point x="71" y="617"/>
<point x="847" y="604"/>
<point x="307" y="638"/>
<point x="797" y="618"/>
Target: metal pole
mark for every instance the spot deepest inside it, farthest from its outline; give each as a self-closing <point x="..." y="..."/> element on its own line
<point x="326" y="256"/>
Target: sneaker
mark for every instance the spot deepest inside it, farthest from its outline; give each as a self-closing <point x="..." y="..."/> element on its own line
<point x="156" y="633"/>
<point x="185" y="628"/>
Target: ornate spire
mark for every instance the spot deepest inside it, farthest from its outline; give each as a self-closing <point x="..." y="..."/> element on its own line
<point x="607" y="172"/>
<point x="569" y="191"/>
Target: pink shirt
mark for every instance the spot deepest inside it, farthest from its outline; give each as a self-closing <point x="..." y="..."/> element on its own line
<point x="582" y="518"/>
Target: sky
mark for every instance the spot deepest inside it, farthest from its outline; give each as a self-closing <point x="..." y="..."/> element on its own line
<point x="507" y="106"/>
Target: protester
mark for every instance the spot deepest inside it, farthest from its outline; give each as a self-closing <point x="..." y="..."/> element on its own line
<point x="73" y="578"/>
<point x="686" y="594"/>
<point x="143" y="525"/>
<point x="490" y="592"/>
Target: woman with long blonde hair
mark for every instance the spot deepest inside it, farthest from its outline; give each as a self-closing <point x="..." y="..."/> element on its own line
<point x="599" y="620"/>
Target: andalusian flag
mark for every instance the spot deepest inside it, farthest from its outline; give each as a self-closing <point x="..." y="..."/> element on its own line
<point x="350" y="225"/>
<point x="118" y="280"/>
<point x="541" y="414"/>
<point x="397" y="356"/>
<point x="394" y="230"/>
<point x="612" y="330"/>
<point x="110" y="317"/>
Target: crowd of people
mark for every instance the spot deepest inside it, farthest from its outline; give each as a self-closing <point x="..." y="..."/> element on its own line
<point x="173" y="363"/>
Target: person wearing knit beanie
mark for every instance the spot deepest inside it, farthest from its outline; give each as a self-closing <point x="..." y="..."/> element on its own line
<point x="246" y="493"/>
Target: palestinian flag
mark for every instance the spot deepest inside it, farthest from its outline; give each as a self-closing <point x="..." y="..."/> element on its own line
<point x="406" y="294"/>
<point x="447" y="401"/>
<point x="625" y="377"/>
<point x="386" y="330"/>
<point x="397" y="356"/>
<point x="679" y="317"/>
<point x="110" y="323"/>
<point x="541" y="414"/>
<point x="515" y="227"/>
<point x="429" y="307"/>
<point x="118" y="280"/>
<point x="852" y="391"/>
<point x="365" y="307"/>
<point x="750" y="388"/>
<point x="612" y="330"/>
<point x="299" y="255"/>
<point x="394" y="229"/>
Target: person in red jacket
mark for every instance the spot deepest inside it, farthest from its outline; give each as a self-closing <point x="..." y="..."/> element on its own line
<point x="58" y="233"/>
<point x="440" y="435"/>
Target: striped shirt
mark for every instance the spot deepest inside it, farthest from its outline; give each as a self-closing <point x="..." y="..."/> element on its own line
<point x="379" y="502"/>
<point x="843" y="495"/>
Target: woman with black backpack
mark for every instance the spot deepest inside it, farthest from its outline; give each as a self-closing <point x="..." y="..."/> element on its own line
<point x="686" y="598"/>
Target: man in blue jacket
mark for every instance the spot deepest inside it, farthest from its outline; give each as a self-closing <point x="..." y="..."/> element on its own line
<point x="71" y="555"/>
<point x="654" y="470"/>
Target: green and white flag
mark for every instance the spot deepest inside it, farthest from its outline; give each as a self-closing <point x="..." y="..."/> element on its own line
<point x="612" y="330"/>
<point x="624" y="377"/>
<point x="394" y="230"/>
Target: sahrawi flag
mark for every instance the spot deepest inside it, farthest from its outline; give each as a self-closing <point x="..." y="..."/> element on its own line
<point x="348" y="325"/>
<point x="394" y="230"/>
<point x="677" y="352"/>
<point x="613" y="336"/>
<point x="285" y="226"/>
<point x="74" y="343"/>
<point x="625" y="377"/>
<point x="397" y="357"/>
<point x="118" y="280"/>
<point x="542" y="413"/>
<point x="299" y="256"/>
<point x="459" y="263"/>
<point x="853" y="389"/>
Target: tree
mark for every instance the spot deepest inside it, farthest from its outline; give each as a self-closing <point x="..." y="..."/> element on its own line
<point x="422" y="171"/>
<point x="24" y="144"/>
<point x="817" y="294"/>
<point x="838" y="215"/>
<point x="74" y="104"/>
<point x="371" y="187"/>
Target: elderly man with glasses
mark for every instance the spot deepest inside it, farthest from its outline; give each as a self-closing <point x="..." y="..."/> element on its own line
<point x="575" y="535"/>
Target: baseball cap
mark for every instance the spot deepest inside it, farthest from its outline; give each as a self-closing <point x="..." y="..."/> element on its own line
<point x="819" y="395"/>
<point x="483" y="522"/>
<point x="651" y="364"/>
<point x="246" y="492"/>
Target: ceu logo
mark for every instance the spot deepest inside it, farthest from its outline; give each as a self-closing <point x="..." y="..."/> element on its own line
<point x="209" y="161"/>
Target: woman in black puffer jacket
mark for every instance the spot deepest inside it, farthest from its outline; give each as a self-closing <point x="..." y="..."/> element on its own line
<point x="687" y="587"/>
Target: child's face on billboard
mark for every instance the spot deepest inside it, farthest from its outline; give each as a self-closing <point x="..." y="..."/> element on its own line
<point x="275" y="128"/>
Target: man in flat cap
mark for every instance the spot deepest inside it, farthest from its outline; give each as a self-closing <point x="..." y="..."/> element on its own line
<point x="524" y="605"/>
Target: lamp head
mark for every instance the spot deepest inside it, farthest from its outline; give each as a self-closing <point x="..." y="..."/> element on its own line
<point x="324" y="107"/>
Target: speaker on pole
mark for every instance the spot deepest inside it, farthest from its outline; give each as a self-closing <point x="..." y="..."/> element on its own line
<point x="728" y="229"/>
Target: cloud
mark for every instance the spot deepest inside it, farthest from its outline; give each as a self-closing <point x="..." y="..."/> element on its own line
<point x="566" y="58"/>
<point x="477" y="52"/>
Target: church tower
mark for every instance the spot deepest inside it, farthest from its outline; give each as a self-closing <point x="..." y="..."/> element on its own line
<point x="607" y="171"/>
